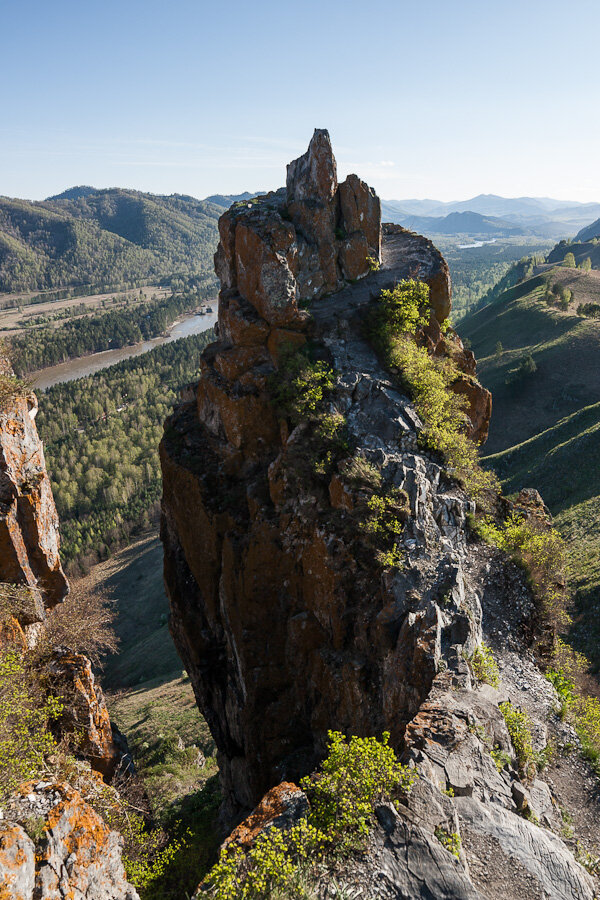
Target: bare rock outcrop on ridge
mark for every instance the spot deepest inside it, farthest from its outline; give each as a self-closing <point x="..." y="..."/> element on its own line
<point x="286" y="621"/>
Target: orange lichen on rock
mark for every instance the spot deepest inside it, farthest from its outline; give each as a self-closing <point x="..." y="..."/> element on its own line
<point x="84" y="710"/>
<point x="29" y="538"/>
<point x="285" y="801"/>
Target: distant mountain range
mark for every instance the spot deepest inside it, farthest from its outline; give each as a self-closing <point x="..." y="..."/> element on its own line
<point x="540" y="216"/>
<point x="99" y="238"/>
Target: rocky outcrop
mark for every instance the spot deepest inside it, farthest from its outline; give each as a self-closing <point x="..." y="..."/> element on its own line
<point x="74" y="856"/>
<point x="29" y="542"/>
<point x="85" y="714"/>
<point x="289" y="620"/>
<point x="265" y="574"/>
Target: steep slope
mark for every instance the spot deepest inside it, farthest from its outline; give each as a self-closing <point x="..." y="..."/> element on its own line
<point x="544" y="432"/>
<point x="589" y="232"/>
<point x="71" y="852"/>
<point x="581" y="248"/>
<point x="103" y="238"/>
<point x="319" y="568"/>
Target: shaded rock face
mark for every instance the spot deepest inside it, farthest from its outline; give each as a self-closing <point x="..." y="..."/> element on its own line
<point x="77" y="857"/>
<point x="85" y="713"/>
<point x="286" y="623"/>
<point x="29" y="540"/>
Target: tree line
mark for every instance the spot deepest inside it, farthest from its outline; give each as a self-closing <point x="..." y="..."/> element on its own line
<point x="101" y="436"/>
<point x="48" y="346"/>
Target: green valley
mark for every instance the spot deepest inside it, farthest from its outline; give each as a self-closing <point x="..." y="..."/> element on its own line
<point x="539" y="357"/>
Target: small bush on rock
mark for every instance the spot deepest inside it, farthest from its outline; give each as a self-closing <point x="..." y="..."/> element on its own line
<point x="393" y="327"/>
<point x="300" y="385"/>
<point x="450" y="840"/>
<point x="583" y="711"/>
<point x="25" y="716"/>
<point x="519" y="728"/>
<point x="484" y="666"/>
<point x="355" y="775"/>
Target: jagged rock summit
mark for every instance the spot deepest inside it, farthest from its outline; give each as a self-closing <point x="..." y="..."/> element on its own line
<point x="288" y="620"/>
<point x="259" y="571"/>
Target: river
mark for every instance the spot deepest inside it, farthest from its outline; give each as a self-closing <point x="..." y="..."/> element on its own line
<point x="87" y="365"/>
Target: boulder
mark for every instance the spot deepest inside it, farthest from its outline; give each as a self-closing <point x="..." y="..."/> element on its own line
<point x="76" y="857"/>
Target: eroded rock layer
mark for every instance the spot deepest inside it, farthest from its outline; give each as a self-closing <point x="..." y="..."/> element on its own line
<point x="285" y="622"/>
<point x="29" y="542"/>
<point x="287" y="617"/>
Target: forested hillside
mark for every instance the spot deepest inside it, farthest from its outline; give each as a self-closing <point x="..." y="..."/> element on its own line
<point x="101" y="435"/>
<point x="107" y="237"/>
<point x="37" y="347"/>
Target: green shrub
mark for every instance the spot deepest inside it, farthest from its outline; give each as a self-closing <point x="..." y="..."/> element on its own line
<point x="484" y="666"/>
<point x="354" y="776"/>
<point x="428" y="380"/>
<point x="450" y="840"/>
<point x="582" y="710"/>
<point x="519" y="728"/>
<point x="541" y="552"/>
<point x="501" y="758"/>
<point x="373" y="264"/>
<point x="403" y="309"/>
<point x="25" y="717"/>
<point x="300" y="385"/>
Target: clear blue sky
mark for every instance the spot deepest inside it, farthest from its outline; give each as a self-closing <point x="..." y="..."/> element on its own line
<point x="438" y="99"/>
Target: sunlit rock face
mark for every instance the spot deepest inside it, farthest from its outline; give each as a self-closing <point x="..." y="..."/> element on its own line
<point x="286" y="624"/>
<point x="29" y="538"/>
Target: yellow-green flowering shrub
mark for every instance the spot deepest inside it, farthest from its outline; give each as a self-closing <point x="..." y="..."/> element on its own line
<point x="541" y="551"/>
<point x="354" y="776"/>
<point x="519" y="728"/>
<point x="484" y="666"/>
<point x="25" y="738"/>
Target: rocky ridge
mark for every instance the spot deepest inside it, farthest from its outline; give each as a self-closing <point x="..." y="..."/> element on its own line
<point x="74" y="854"/>
<point x="286" y="623"/>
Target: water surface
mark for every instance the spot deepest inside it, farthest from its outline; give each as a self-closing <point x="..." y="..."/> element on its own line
<point x="87" y="365"/>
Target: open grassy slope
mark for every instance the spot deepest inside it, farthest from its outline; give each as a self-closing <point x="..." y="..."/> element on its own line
<point x="545" y="430"/>
<point x="149" y="696"/>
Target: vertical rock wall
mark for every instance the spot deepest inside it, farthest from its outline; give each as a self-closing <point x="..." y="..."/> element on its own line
<point x="284" y="619"/>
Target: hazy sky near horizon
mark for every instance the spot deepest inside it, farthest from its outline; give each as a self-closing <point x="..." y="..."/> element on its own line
<point x="443" y="99"/>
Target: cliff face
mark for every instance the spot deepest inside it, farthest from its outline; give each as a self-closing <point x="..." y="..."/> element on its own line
<point x="285" y="621"/>
<point x="28" y="521"/>
<point x="75" y="853"/>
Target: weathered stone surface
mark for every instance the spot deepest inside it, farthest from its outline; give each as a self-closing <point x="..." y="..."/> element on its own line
<point x="353" y="256"/>
<point x="77" y="857"/>
<point x="17" y="863"/>
<point x="543" y="855"/>
<point x="84" y="711"/>
<point x="479" y="407"/>
<point x="313" y="176"/>
<point x="29" y="538"/>
<point x="361" y="212"/>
